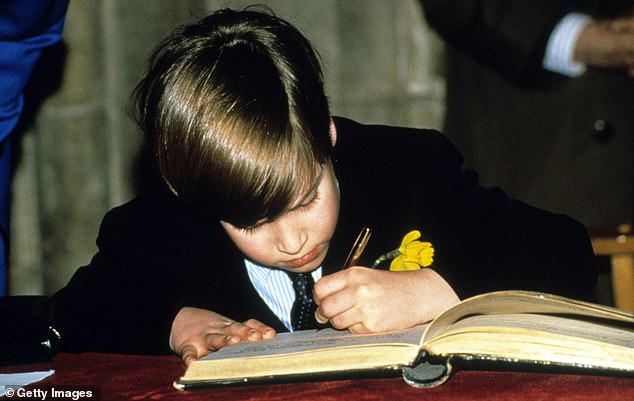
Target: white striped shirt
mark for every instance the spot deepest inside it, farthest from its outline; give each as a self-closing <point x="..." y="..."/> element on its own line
<point x="559" y="56"/>
<point x="275" y="288"/>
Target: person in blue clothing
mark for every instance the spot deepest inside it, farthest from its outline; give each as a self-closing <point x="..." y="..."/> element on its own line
<point x="26" y="28"/>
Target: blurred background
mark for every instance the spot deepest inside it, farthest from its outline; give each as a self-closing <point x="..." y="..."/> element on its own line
<point x="77" y="149"/>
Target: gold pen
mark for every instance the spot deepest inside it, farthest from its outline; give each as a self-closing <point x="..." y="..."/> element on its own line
<point x="358" y="247"/>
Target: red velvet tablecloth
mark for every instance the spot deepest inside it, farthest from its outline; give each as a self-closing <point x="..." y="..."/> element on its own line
<point x="127" y="377"/>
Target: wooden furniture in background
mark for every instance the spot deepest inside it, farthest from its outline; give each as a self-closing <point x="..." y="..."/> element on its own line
<point x="619" y="246"/>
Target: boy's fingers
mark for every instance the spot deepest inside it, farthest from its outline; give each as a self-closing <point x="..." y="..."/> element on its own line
<point x="236" y="329"/>
<point x="321" y="319"/>
<point x="338" y="311"/>
<point x="335" y="303"/>
<point x="359" y="328"/>
<point x="249" y="331"/>
<point x="328" y="285"/>
<point x="216" y="341"/>
<point x="187" y="353"/>
<point x="263" y="329"/>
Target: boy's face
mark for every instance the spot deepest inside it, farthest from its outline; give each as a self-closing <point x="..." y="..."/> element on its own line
<point x="298" y="240"/>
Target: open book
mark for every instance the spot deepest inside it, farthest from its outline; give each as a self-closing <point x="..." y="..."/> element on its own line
<point x="518" y="328"/>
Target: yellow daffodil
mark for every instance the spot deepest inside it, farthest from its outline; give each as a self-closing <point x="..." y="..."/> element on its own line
<point x="411" y="255"/>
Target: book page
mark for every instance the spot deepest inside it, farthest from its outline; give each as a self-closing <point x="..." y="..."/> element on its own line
<point x="508" y="302"/>
<point x="310" y="340"/>
<point x="553" y="325"/>
<point x="536" y="338"/>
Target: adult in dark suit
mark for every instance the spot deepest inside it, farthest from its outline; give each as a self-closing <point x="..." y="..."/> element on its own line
<point x="554" y="136"/>
<point x="288" y="188"/>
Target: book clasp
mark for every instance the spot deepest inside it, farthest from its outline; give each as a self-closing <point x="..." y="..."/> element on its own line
<point x="426" y="374"/>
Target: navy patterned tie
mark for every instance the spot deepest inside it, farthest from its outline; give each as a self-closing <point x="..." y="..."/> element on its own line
<point x="303" y="311"/>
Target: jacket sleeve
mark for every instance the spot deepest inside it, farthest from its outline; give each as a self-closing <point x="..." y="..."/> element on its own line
<point x="149" y="258"/>
<point x="116" y="303"/>
<point x="155" y="256"/>
<point x="507" y="36"/>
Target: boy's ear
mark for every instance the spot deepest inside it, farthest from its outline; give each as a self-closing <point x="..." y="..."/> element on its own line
<point x="333" y="133"/>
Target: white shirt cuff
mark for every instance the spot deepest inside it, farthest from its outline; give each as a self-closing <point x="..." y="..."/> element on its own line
<point x="561" y="46"/>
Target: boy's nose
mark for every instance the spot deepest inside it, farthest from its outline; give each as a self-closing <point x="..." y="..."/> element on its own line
<point x="290" y="240"/>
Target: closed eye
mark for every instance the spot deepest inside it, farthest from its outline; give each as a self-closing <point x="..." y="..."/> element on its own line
<point x="308" y="205"/>
<point x="250" y="230"/>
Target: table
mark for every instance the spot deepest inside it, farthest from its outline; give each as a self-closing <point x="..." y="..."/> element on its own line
<point x="130" y="377"/>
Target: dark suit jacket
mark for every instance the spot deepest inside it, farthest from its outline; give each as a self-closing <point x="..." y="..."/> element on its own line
<point x="156" y="256"/>
<point x="558" y="143"/>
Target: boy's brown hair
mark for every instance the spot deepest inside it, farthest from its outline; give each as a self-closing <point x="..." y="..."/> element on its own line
<point x="235" y="115"/>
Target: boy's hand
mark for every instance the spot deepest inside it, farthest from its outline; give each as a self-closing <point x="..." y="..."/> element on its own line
<point x="365" y="300"/>
<point x="197" y="332"/>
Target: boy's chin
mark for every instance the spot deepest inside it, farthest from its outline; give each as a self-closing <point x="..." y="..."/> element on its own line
<point x="303" y="269"/>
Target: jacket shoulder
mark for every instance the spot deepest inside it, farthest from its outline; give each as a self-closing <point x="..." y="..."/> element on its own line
<point x="421" y="146"/>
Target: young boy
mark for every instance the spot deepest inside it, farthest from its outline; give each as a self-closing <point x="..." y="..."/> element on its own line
<point x="261" y="181"/>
